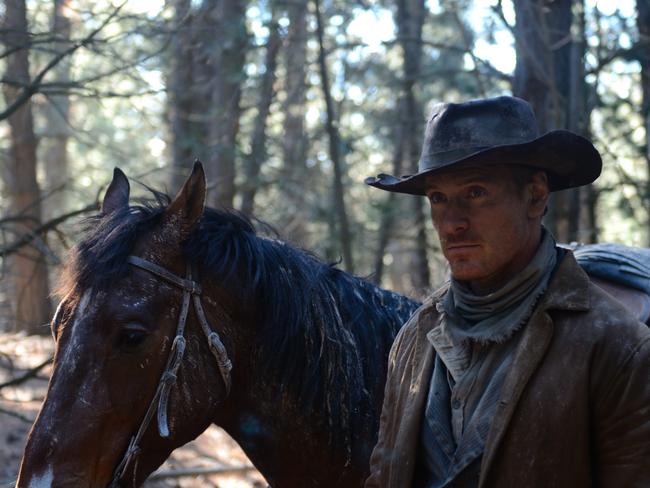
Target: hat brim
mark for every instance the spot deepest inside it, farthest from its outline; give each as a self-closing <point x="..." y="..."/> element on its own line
<point x="569" y="160"/>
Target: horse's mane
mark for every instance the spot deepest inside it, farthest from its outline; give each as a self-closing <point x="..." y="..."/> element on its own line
<point x="326" y="333"/>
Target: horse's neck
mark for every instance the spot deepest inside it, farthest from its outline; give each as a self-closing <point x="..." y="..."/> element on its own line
<point x="297" y="443"/>
<point x="288" y="446"/>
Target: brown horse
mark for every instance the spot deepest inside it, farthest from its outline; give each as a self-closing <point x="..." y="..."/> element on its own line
<point x="173" y="310"/>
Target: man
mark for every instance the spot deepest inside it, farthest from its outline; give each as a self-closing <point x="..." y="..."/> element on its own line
<point x="519" y="372"/>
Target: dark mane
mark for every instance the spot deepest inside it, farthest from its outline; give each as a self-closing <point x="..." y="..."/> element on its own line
<point x="100" y="257"/>
<point x="326" y="333"/>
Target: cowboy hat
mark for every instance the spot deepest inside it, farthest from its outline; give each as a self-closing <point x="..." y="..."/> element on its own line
<point x="493" y="131"/>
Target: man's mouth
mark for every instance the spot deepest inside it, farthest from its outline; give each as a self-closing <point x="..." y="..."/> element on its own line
<point x="459" y="248"/>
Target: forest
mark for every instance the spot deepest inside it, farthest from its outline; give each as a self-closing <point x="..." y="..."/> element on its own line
<point x="289" y="105"/>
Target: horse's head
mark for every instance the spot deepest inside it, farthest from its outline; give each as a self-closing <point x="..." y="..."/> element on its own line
<point x="116" y="368"/>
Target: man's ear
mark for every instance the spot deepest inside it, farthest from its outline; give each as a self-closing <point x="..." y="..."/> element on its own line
<point x="538" y="194"/>
<point x="117" y="194"/>
<point x="187" y="207"/>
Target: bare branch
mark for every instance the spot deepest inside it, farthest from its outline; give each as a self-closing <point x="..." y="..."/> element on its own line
<point x="27" y="375"/>
<point x="34" y="86"/>
<point x="18" y="416"/>
<point x="27" y="239"/>
<point x="180" y="473"/>
<point x="498" y="10"/>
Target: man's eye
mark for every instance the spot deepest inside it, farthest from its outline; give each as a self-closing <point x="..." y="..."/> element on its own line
<point x="476" y="192"/>
<point x="437" y="198"/>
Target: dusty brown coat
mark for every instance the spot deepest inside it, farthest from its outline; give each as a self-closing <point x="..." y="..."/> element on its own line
<point x="575" y="406"/>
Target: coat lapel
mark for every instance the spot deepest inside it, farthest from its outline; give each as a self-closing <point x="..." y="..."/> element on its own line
<point x="535" y="339"/>
<point x="568" y="290"/>
<point x="414" y="410"/>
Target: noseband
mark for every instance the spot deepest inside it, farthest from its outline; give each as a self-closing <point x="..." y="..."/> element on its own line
<point x="191" y="291"/>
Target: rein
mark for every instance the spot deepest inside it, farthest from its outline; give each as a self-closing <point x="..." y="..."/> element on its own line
<point x="191" y="292"/>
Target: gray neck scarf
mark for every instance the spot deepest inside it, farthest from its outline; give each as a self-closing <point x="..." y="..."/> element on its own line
<point x="496" y="316"/>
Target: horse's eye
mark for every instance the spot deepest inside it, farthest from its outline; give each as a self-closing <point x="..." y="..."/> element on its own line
<point x="131" y="337"/>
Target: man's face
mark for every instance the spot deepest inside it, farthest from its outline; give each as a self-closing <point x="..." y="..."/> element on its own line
<point x="489" y="228"/>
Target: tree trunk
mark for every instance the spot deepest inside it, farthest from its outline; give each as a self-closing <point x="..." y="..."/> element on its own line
<point x="543" y="50"/>
<point x="345" y="238"/>
<point x="187" y="89"/>
<point x="589" y="196"/>
<point x="204" y="86"/>
<point x="294" y="141"/>
<point x="420" y="273"/>
<point x="294" y="138"/>
<point x="29" y="293"/>
<point x="257" y="155"/>
<point x="577" y="117"/>
<point x="413" y="15"/>
<point x="410" y="19"/>
<point x="643" y="24"/>
<point x="542" y="77"/>
<point x="390" y="207"/>
<point x="228" y="41"/>
<point x="57" y="114"/>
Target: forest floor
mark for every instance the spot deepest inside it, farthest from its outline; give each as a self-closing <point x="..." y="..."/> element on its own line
<point x="19" y="406"/>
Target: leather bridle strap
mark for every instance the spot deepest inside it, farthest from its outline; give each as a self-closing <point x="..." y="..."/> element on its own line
<point x="185" y="284"/>
<point x="191" y="291"/>
<point x="194" y="289"/>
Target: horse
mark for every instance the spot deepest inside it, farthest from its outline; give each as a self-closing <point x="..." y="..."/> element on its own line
<point x="175" y="316"/>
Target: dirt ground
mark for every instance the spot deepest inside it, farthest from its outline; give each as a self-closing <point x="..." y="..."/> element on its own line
<point x="19" y="406"/>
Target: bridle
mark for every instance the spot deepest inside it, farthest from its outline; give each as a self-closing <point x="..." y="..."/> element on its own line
<point x="191" y="291"/>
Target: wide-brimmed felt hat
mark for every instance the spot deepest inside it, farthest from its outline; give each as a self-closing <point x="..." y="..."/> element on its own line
<point x="492" y="131"/>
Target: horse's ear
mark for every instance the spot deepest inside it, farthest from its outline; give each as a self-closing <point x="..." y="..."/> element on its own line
<point x="190" y="201"/>
<point x="117" y="194"/>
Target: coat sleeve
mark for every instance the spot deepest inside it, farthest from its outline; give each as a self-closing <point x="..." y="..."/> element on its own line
<point x="382" y="453"/>
<point x="379" y="456"/>
<point x="622" y="416"/>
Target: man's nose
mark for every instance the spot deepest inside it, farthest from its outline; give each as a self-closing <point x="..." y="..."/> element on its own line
<point x="454" y="219"/>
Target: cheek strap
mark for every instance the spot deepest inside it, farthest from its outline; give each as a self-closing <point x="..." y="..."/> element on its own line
<point x="160" y="401"/>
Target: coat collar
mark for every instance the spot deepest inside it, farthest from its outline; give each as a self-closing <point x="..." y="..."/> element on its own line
<point x="568" y="288"/>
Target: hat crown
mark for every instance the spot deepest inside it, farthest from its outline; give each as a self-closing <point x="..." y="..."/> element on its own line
<point x="457" y="130"/>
